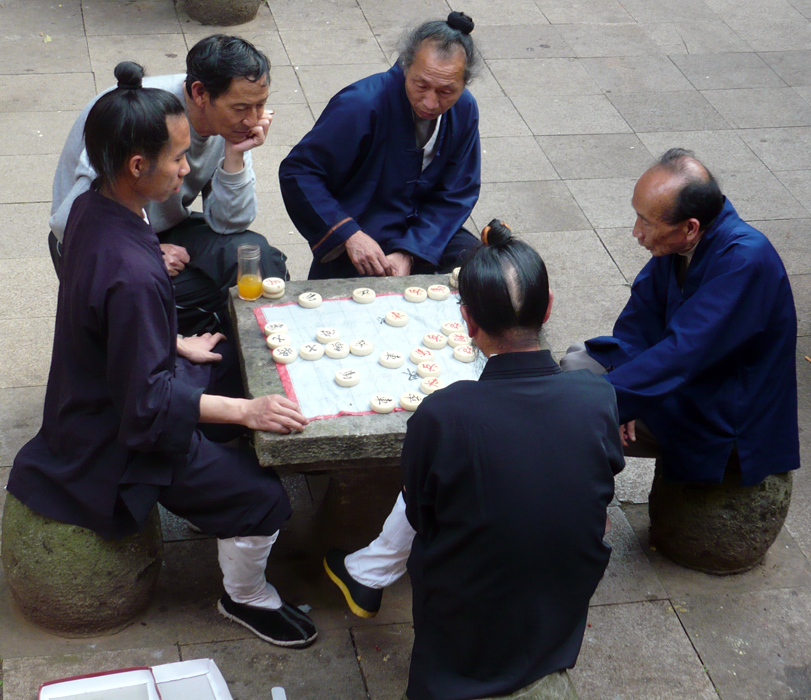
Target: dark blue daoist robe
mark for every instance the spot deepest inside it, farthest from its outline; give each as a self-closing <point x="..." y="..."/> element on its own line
<point x="712" y="366"/>
<point x="359" y="169"/>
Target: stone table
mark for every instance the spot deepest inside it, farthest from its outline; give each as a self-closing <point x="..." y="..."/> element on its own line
<point x="360" y="453"/>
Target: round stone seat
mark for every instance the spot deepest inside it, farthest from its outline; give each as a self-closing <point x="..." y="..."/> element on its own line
<point x="223" y="13"/>
<point x="721" y="528"/>
<point x="69" y="580"/>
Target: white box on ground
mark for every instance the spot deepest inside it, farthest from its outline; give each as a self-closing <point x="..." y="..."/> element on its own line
<point x="199" y="679"/>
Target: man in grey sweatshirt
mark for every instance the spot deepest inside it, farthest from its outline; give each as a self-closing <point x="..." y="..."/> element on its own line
<point x="225" y="89"/>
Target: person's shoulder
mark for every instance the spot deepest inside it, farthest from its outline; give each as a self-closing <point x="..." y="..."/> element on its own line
<point x="366" y="92"/>
<point x="171" y="83"/>
<point x="740" y="240"/>
<point x="452" y="397"/>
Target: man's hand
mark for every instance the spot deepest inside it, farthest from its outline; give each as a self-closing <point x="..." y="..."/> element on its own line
<point x="198" y="348"/>
<point x="367" y="256"/>
<point x="400" y="263"/>
<point x="628" y="433"/>
<point x="257" y="136"/>
<point x="275" y="413"/>
<point x="175" y="258"/>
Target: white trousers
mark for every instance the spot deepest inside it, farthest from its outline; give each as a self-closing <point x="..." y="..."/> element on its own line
<point x="383" y="561"/>
<point x="243" y="561"/>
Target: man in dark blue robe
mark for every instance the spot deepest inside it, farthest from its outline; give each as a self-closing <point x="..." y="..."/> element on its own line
<point x="387" y="177"/>
<point x="704" y="352"/>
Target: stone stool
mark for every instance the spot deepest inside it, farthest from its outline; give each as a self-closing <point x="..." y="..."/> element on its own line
<point x="69" y="580"/>
<point x="721" y="528"/>
<point x="223" y="13"/>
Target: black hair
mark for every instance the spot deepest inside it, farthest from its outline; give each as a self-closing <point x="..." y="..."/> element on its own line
<point x="216" y="60"/>
<point x="700" y="195"/>
<point x="447" y="36"/>
<point x="127" y="120"/>
<point x="504" y="284"/>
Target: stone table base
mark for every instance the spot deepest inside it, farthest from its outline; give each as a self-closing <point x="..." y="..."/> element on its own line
<point x="721" y="528"/>
<point x="69" y="580"/>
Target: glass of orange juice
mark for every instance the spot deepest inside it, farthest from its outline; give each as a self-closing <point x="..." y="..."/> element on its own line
<point x="249" y="274"/>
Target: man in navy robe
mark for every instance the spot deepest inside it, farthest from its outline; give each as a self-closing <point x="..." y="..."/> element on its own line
<point x="387" y="177"/>
<point x="704" y="352"/>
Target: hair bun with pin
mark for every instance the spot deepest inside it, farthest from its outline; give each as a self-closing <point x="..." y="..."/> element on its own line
<point x="461" y="22"/>
<point x="496" y="233"/>
<point x="129" y="75"/>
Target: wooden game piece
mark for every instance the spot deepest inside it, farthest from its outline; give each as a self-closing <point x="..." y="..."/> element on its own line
<point x="391" y="359"/>
<point x="435" y="341"/>
<point x="347" y="377"/>
<point x="464" y="353"/>
<point x="429" y="369"/>
<point x="275" y="327"/>
<point x="453" y="277"/>
<point x="277" y="340"/>
<point x="438" y="292"/>
<point x="337" y="349"/>
<point x="456" y="339"/>
<point x="273" y="288"/>
<point x="327" y="335"/>
<point x="421" y="355"/>
<point x="397" y="318"/>
<point x="430" y="384"/>
<point x="284" y="355"/>
<point x="453" y="327"/>
<point x="309" y="300"/>
<point x="363" y="295"/>
<point x="382" y="403"/>
<point x="415" y="295"/>
<point x="411" y="400"/>
<point x="311" y="351"/>
<point x="361" y="347"/>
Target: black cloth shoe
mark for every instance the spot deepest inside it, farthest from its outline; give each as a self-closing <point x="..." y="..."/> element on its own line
<point x="285" y="627"/>
<point x="362" y="600"/>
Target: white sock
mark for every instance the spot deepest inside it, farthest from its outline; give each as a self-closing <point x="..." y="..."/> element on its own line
<point x="384" y="560"/>
<point x="243" y="561"/>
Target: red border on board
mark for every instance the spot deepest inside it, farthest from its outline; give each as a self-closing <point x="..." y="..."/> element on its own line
<point x="284" y="374"/>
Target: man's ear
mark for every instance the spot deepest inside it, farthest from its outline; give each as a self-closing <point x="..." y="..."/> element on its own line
<point x="472" y="327"/>
<point x="199" y="95"/>
<point x="693" y="230"/>
<point x="136" y="165"/>
<point x="549" y="308"/>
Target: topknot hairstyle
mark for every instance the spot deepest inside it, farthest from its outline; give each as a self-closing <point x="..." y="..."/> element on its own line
<point x="216" y="60"/>
<point x="447" y="37"/>
<point x="127" y="120"/>
<point x="504" y="284"/>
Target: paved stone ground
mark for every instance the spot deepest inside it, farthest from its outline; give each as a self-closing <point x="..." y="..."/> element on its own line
<point x="576" y="98"/>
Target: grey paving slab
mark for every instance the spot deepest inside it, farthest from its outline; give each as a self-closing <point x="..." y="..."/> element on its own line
<point x="22" y="676"/>
<point x="384" y="654"/>
<point x="608" y="40"/>
<point x="159" y="54"/>
<point x="798" y="522"/>
<point x="606" y="202"/>
<point x="290" y="123"/>
<point x="273" y="222"/>
<point x="30" y="183"/>
<point x="662" y="10"/>
<point x="755" y="644"/>
<point x="268" y="42"/>
<point x="625" y="251"/>
<point x="583" y="11"/>
<point x="498" y="117"/>
<point x="336" y="47"/>
<point x="760" y="107"/>
<point x="299" y="259"/>
<point x="551" y="76"/>
<point x="24" y="230"/>
<point x="37" y="300"/>
<point x="30" y="17"/>
<point x="718" y="150"/>
<point x="760" y="195"/>
<point x="25" y="345"/>
<point x="34" y="133"/>
<point x="639" y="651"/>
<point x="794" y="67"/>
<point x="20" y="419"/>
<point x="629" y="577"/>
<point x="695" y="37"/>
<point x="581" y="313"/>
<point x="40" y="92"/>
<point x="801" y="287"/>
<point x="521" y="41"/>
<point x="727" y="70"/>
<point x="618" y="74"/>
<point x="596" y="155"/>
<point x="574" y="259"/>
<point x="514" y="159"/>
<point x="633" y="484"/>
<point x="317" y="15"/>
<point x="485" y="83"/>
<point x="111" y="17"/>
<point x="798" y="182"/>
<point x="784" y="566"/>
<point x="328" y="670"/>
<point x="804" y="92"/>
<point x="500" y="12"/>
<point x="43" y="53"/>
<point x="285" y="87"/>
<point x="531" y="206"/>
<point x="802" y="6"/>
<point x="773" y="31"/>
<point x="570" y="114"/>
<point x="668" y="111"/>
<point x="320" y="83"/>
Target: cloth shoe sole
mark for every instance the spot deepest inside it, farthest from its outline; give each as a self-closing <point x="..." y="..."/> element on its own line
<point x="362" y="600"/>
<point x="285" y="627"/>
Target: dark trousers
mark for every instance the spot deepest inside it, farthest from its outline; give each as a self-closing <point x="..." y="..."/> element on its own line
<point x="201" y="289"/>
<point x="458" y="249"/>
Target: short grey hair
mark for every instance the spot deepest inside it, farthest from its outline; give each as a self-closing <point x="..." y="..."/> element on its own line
<point x="445" y="40"/>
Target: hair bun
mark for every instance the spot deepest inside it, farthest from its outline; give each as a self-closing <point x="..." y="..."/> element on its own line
<point x="461" y="22"/>
<point x="496" y="233"/>
<point x="129" y="75"/>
